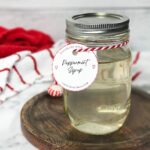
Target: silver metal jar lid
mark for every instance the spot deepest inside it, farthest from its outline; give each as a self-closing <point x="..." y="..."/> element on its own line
<point x="97" y="23"/>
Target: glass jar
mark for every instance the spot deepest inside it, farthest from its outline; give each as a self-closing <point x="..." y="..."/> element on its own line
<point x="103" y="107"/>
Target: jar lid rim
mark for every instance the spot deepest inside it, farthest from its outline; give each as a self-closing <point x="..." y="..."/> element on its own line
<point x="97" y="22"/>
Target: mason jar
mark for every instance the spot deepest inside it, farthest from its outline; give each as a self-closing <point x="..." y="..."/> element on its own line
<point x="103" y="107"/>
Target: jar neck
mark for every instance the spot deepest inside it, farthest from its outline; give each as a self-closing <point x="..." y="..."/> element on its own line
<point x="93" y="40"/>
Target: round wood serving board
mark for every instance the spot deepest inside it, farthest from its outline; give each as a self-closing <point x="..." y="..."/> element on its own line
<point x="46" y="126"/>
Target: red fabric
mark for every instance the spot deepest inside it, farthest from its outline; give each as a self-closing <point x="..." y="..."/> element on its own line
<point x="19" y="39"/>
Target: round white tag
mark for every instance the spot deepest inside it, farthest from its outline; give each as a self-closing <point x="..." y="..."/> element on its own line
<point x="74" y="71"/>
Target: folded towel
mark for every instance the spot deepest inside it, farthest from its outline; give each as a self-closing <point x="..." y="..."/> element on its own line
<point x="17" y="48"/>
<point x="23" y="69"/>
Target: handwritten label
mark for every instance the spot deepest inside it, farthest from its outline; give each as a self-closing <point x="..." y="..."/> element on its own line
<point x="75" y="71"/>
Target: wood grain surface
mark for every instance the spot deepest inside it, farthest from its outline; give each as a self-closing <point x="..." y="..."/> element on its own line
<point x="46" y="126"/>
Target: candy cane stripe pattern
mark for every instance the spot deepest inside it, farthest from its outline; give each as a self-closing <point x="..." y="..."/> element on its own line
<point x="55" y="90"/>
<point x="102" y="47"/>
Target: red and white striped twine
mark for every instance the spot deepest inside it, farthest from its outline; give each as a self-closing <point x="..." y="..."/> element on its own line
<point x="101" y="47"/>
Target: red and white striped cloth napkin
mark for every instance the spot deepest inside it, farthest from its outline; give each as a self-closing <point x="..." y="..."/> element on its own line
<point x="23" y="69"/>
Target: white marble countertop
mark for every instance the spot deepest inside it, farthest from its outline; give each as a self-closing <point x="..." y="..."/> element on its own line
<point x="11" y="137"/>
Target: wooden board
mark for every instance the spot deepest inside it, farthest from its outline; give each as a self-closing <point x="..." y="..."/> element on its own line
<point x="46" y="126"/>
